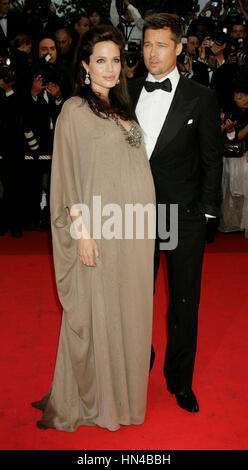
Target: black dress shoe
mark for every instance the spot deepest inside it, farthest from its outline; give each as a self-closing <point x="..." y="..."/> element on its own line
<point x="187" y="401"/>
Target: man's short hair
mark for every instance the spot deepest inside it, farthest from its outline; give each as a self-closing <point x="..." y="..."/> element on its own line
<point x="165" y="21"/>
<point x="78" y="17"/>
<point x="64" y="30"/>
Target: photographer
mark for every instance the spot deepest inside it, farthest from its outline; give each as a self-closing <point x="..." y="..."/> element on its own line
<point x="212" y="53"/>
<point x="188" y="62"/>
<point x="241" y="6"/>
<point x="11" y="152"/>
<point x="49" y="89"/>
<point x="238" y="31"/>
<point x="238" y="46"/>
<point x="214" y="9"/>
<point x="235" y="166"/>
<point x="130" y="22"/>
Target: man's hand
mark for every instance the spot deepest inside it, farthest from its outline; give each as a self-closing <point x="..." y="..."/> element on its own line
<point x="189" y="65"/>
<point x="218" y="50"/>
<point x="54" y="90"/>
<point x="230" y="125"/>
<point x="232" y="58"/>
<point x="6" y="86"/>
<point x="206" y="8"/>
<point x="242" y="9"/>
<point x="202" y="52"/>
<point x="37" y="86"/>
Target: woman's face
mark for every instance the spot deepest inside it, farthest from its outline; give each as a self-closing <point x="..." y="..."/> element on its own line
<point x="95" y="18"/>
<point x="104" y="67"/>
<point x="241" y="100"/>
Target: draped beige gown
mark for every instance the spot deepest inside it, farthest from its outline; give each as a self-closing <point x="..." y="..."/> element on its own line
<point x="102" y="366"/>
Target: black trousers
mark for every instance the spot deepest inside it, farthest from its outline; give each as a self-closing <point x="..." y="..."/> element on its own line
<point x="184" y="268"/>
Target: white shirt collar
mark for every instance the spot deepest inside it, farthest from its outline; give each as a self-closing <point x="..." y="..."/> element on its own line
<point x="174" y="77"/>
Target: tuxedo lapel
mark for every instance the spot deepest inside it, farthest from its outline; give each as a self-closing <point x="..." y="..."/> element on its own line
<point x="3" y="43"/>
<point x="180" y="108"/>
<point x="2" y="35"/>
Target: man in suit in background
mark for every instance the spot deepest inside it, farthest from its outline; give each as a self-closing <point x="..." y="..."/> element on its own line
<point x="180" y="121"/>
<point x="9" y="27"/>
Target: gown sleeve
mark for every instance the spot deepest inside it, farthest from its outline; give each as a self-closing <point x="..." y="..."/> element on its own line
<point x="63" y="193"/>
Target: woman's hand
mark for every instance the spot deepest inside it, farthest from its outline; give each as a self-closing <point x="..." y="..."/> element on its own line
<point x="88" y="252"/>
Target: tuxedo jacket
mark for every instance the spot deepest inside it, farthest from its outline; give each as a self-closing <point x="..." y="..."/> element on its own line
<point x="186" y="162"/>
<point x="13" y="28"/>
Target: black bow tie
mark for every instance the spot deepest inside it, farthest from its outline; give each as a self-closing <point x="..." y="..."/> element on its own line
<point x="3" y="17"/>
<point x="165" y="85"/>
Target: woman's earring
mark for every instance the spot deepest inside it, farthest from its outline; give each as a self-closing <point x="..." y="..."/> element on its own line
<point x="118" y="81"/>
<point x="87" y="78"/>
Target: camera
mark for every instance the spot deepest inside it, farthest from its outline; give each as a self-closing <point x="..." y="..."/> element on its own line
<point x="234" y="3"/>
<point x="6" y="72"/>
<point x="132" y="53"/>
<point x="239" y="48"/>
<point x="219" y="39"/>
<point x="47" y="70"/>
<point x="181" y="57"/>
<point x="242" y="55"/>
<point x="236" y="43"/>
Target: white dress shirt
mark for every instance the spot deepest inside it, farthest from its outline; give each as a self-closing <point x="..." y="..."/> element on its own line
<point x="3" y="23"/>
<point x="152" y="109"/>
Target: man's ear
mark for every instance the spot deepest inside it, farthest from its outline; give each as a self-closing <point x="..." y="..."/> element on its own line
<point x="179" y="48"/>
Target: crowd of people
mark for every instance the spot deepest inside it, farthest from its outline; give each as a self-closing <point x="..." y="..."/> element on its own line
<point x="37" y="50"/>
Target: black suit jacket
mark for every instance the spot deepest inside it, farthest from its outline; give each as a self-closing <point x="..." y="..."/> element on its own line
<point x="186" y="162"/>
<point x="13" y="28"/>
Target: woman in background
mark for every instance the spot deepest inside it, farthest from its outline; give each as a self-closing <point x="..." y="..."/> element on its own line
<point x="235" y="169"/>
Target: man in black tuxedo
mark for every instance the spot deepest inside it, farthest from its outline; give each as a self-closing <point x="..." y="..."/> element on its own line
<point x="9" y="27"/>
<point x="180" y="121"/>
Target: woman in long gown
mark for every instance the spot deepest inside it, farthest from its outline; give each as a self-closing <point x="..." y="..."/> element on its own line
<point x="105" y="281"/>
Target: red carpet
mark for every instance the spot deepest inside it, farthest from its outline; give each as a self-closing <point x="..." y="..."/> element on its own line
<point x="29" y="324"/>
